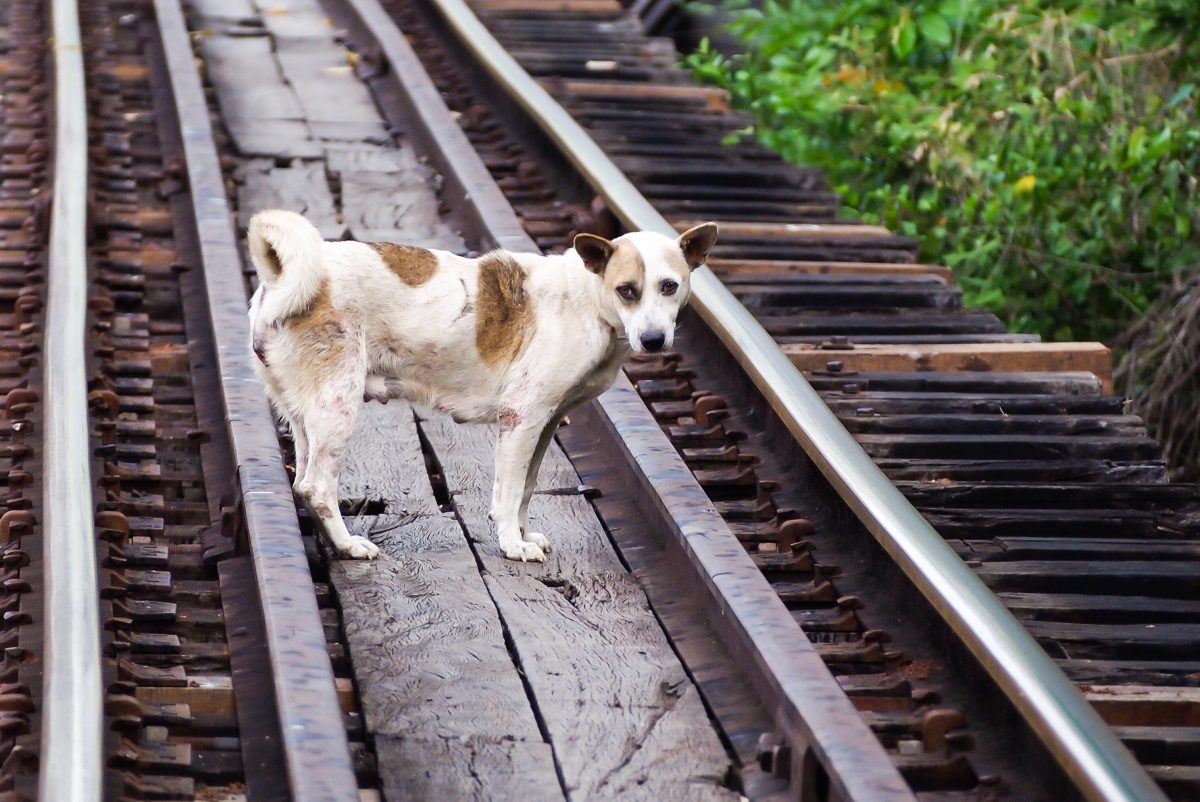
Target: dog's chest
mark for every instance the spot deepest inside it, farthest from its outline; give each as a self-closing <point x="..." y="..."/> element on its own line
<point x="597" y="380"/>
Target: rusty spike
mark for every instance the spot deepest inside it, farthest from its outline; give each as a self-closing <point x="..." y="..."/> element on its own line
<point x="15" y="523"/>
<point x="936" y="723"/>
<point x="104" y="399"/>
<point x="112" y="521"/>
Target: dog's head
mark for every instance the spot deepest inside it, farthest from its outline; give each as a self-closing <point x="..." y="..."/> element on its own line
<point x="646" y="279"/>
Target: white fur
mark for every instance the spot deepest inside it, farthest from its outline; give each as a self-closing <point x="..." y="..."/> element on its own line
<point x="298" y="245"/>
<point x="656" y="312"/>
<point x="419" y="342"/>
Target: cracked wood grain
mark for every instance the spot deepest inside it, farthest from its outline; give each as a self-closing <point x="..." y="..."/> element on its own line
<point x="439" y="689"/>
<point x="623" y="717"/>
<point x="301" y="187"/>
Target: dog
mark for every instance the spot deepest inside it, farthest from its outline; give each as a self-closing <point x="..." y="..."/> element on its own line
<point x="516" y="339"/>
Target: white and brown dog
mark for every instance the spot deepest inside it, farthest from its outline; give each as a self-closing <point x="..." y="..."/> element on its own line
<point x="511" y="338"/>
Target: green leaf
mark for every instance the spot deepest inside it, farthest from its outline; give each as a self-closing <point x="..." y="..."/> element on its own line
<point x="932" y="143"/>
<point x="935" y="28"/>
<point x="1181" y="94"/>
<point x="1137" y="144"/>
<point x="904" y="35"/>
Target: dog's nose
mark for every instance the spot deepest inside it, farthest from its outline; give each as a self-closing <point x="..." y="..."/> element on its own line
<point x="653" y="340"/>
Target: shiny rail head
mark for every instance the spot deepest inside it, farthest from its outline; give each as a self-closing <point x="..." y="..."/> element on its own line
<point x="72" y="715"/>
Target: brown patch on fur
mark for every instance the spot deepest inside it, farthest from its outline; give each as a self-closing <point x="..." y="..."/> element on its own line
<point x="324" y="511"/>
<point x="503" y="314"/>
<point x="414" y="266"/>
<point x="625" y="267"/>
<point x="676" y="261"/>
<point x="320" y="335"/>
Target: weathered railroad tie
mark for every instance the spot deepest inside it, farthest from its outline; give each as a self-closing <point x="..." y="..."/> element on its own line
<point x="481" y="678"/>
<point x="24" y="231"/>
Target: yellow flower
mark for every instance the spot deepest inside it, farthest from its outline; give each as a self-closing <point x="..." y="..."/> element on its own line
<point x="1025" y="184"/>
<point x="854" y="76"/>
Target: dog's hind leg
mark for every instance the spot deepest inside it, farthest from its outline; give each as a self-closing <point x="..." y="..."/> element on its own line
<point x="531" y="475"/>
<point x="515" y="448"/>
<point x="329" y="425"/>
<point x="300" y="446"/>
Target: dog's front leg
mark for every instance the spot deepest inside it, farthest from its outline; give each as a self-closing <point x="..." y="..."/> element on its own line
<point x="531" y="475"/>
<point x="515" y="449"/>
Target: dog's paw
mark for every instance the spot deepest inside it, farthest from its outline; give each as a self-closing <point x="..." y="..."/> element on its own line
<point x="537" y="539"/>
<point x="524" y="551"/>
<point x="358" y="548"/>
<point x="375" y="389"/>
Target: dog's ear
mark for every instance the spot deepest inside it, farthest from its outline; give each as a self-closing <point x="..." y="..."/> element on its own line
<point x="594" y="251"/>
<point x="696" y="242"/>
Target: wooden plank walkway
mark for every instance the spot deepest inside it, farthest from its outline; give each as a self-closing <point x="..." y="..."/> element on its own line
<point x="479" y="678"/>
<point x="625" y="721"/>
<point x="439" y="688"/>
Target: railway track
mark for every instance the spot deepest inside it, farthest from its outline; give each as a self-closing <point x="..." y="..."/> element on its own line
<point x="165" y="636"/>
<point x="844" y="649"/>
<point x="1010" y="446"/>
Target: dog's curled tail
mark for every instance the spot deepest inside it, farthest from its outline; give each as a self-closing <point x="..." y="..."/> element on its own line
<point x="286" y="251"/>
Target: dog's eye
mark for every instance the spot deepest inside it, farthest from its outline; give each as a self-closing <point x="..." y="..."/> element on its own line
<point x="628" y="292"/>
<point x="668" y="287"/>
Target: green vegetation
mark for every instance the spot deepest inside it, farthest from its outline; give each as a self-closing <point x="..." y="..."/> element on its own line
<point x="1048" y="150"/>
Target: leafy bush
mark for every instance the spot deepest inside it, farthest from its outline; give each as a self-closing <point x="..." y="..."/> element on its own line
<point x="1048" y="150"/>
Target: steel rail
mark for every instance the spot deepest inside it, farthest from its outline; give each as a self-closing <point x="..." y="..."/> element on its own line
<point x="316" y="751"/>
<point x="1078" y="739"/>
<point x="71" y="695"/>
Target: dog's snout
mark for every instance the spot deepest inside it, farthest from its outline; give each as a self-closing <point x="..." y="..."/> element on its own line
<point x="653" y="340"/>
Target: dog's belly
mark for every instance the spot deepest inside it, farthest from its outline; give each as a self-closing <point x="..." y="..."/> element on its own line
<point x="463" y="408"/>
<point x="434" y="378"/>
